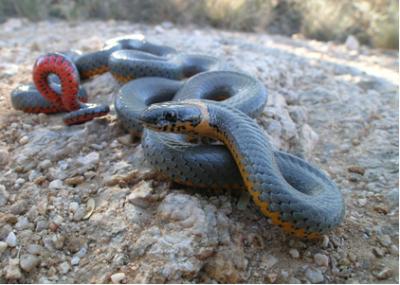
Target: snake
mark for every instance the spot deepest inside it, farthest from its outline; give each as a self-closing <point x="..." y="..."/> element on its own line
<point x="57" y="76"/>
<point x="295" y="195"/>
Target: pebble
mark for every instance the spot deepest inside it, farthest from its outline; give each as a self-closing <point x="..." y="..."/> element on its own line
<point x="73" y="206"/>
<point x="378" y="252"/>
<point x="19" y="207"/>
<point x="118" y="278"/>
<point x="28" y="262"/>
<point x="41" y="225"/>
<point x="325" y="241"/>
<point x="75" y="260"/>
<point x="12" y="269"/>
<point x="35" y="249"/>
<point x="356" y="169"/>
<point x="4" y="157"/>
<point x="294" y="253"/>
<point x="352" y="43"/>
<point x="3" y="247"/>
<point x="384" y="240"/>
<point x="272" y="277"/>
<point x="56" y="184"/>
<point x="4" y="195"/>
<point x="73" y="181"/>
<point x="314" y="275"/>
<point x="321" y="259"/>
<point x="64" y="267"/>
<point x="383" y="274"/>
<point x="24" y="140"/>
<point x="45" y="164"/>
<point x="22" y="223"/>
<point x="11" y="240"/>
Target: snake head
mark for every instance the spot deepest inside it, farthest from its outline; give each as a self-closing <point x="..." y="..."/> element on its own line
<point x="177" y="117"/>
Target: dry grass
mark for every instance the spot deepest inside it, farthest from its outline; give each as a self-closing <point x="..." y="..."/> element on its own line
<point x="373" y="22"/>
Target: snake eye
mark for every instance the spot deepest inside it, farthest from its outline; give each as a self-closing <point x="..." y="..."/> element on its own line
<point x="170" y="116"/>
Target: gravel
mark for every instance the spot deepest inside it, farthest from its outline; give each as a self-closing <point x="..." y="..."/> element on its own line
<point x="80" y="205"/>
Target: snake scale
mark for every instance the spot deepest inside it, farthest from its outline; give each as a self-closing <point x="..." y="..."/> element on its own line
<point x="205" y="97"/>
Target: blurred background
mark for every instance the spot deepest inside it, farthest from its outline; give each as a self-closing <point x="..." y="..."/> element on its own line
<point x="373" y="23"/>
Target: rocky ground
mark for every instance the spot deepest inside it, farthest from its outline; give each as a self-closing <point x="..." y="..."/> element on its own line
<point x="79" y="204"/>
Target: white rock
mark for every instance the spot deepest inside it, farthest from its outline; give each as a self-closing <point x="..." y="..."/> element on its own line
<point x="56" y="184"/>
<point x="75" y="260"/>
<point x="24" y="140"/>
<point x="140" y="194"/>
<point x="321" y="259"/>
<point x="73" y="206"/>
<point x="64" y="267"/>
<point x="90" y="160"/>
<point x="22" y="223"/>
<point x="118" y="278"/>
<point x="4" y="195"/>
<point x="314" y="275"/>
<point x="28" y="262"/>
<point x="352" y="43"/>
<point x="11" y="240"/>
<point x="294" y="253"/>
<point x="384" y="240"/>
<point x="45" y="164"/>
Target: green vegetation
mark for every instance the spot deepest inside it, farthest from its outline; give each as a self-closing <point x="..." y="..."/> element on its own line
<point x="373" y="22"/>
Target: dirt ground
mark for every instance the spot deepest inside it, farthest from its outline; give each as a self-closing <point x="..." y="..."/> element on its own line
<point x="334" y="105"/>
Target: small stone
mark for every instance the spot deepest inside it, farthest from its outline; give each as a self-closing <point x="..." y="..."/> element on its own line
<point x="4" y="195"/>
<point x="352" y="43"/>
<point x="45" y="164"/>
<point x="35" y="249"/>
<point x="140" y="194"/>
<point x="58" y="241"/>
<point x="9" y="219"/>
<point x="378" y="252"/>
<point x="118" y="278"/>
<point x="294" y="253"/>
<point x="73" y="206"/>
<point x="384" y="240"/>
<point x="58" y="220"/>
<point x="41" y="225"/>
<point x="272" y="277"/>
<point x="19" y="207"/>
<point x="362" y="202"/>
<point x="11" y="240"/>
<point x="23" y="140"/>
<point x="56" y="184"/>
<point x="325" y="241"/>
<point x="64" y="267"/>
<point x="3" y="247"/>
<point x="293" y="280"/>
<point x="394" y="249"/>
<point x="73" y="181"/>
<point x="75" y="260"/>
<point x="125" y="140"/>
<point x="321" y="259"/>
<point x="383" y="274"/>
<point x="22" y="223"/>
<point x="4" y="157"/>
<point x="314" y="275"/>
<point x="356" y="169"/>
<point x="89" y="160"/>
<point x="12" y="269"/>
<point x="28" y="262"/>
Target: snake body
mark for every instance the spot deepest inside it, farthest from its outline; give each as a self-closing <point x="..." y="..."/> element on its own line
<point x="294" y="194"/>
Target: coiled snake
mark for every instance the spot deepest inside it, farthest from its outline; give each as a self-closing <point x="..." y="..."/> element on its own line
<point x="295" y="195"/>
